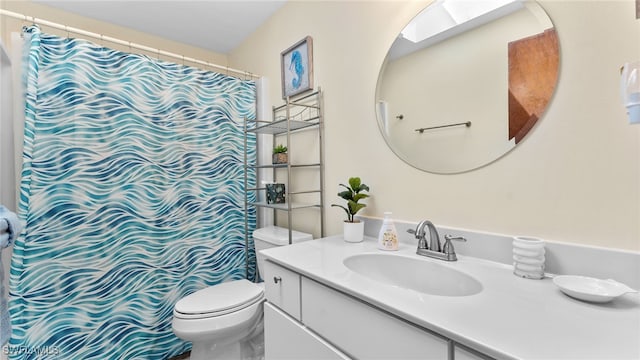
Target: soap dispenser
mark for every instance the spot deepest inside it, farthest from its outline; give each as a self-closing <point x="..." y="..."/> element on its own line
<point x="388" y="236"/>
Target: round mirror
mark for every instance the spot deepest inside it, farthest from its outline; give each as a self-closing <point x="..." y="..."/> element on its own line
<point x="465" y="82"/>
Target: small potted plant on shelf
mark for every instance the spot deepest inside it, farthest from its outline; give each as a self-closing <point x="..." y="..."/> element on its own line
<point x="280" y="155"/>
<point x="353" y="228"/>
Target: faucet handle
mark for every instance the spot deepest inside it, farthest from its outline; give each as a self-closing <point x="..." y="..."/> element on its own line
<point x="448" y="246"/>
<point x="457" y="238"/>
<point x="422" y="242"/>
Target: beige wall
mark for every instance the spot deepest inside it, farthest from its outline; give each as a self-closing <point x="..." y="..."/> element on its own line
<point x="26" y="7"/>
<point x="576" y="178"/>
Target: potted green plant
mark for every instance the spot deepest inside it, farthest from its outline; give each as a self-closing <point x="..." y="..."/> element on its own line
<point x="353" y="228"/>
<point x="280" y="155"/>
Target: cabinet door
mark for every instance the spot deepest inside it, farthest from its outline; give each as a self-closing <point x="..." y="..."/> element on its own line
<point x="463" y="353"/>
<point x="286" y="338"/>
<point x="365" y="332"/>
<point x="282" y="288"/>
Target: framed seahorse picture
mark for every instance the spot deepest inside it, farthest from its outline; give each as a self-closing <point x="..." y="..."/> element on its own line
<point x="297" y="68"/>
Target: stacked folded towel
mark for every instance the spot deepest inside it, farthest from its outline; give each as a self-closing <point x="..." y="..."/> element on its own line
<point x="10" y="228"/>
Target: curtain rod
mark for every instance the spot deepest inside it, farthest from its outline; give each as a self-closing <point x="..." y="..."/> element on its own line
<point x="123" y="42"/>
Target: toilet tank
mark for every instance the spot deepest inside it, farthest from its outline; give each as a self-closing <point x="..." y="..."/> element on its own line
<point x="272" y="236"/>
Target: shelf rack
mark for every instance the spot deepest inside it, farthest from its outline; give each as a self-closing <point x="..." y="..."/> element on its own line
<point x="296" y="114"/>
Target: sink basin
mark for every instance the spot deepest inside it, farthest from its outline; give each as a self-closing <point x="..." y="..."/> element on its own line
<point x="425" y="276"/>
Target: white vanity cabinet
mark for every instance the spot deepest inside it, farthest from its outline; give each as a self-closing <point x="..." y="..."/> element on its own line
<point x="286" y="338"/>
<point x="308" y="320"/>
<point x="365" y="332"/>
<point x="364" y="318"/>
<point x="282" y="288"/>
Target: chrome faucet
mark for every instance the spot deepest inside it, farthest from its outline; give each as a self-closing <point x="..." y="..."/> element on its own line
<point x="434" y="238"/>
<point x="434" y="249"/>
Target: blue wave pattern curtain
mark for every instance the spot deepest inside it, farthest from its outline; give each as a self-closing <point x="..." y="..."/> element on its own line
<point x="133" y="195"/>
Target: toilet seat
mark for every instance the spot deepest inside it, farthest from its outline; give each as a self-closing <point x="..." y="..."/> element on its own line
<point x="219" y="300"/>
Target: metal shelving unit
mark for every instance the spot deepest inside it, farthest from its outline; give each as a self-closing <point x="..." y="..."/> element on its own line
<point x="296" y="114"/>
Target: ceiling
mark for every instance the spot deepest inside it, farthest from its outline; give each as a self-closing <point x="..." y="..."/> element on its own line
<point x="216" y="25"/>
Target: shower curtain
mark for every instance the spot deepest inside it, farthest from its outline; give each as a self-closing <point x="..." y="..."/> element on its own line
<point x="133" y="196"/>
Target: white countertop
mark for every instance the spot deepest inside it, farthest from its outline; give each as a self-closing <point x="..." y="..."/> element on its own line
<point x="511" y="317"/>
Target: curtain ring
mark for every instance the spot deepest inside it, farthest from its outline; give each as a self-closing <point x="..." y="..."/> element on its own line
<point x="24" y="26"/>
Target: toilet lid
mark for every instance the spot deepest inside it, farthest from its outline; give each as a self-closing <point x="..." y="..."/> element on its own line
<point x="220" y="299"/>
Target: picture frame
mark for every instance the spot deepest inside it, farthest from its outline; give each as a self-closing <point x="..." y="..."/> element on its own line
<point x="297" y="68"/>
<point x="275" y="193"/>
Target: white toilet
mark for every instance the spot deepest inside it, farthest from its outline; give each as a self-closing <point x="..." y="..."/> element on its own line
<point x="224" y="321"/>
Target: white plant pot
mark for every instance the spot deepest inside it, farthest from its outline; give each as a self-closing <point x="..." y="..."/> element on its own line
<point x="353" y="231"/>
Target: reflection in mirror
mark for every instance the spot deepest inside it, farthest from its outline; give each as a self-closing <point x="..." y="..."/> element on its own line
<point x="462" y="84"/>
